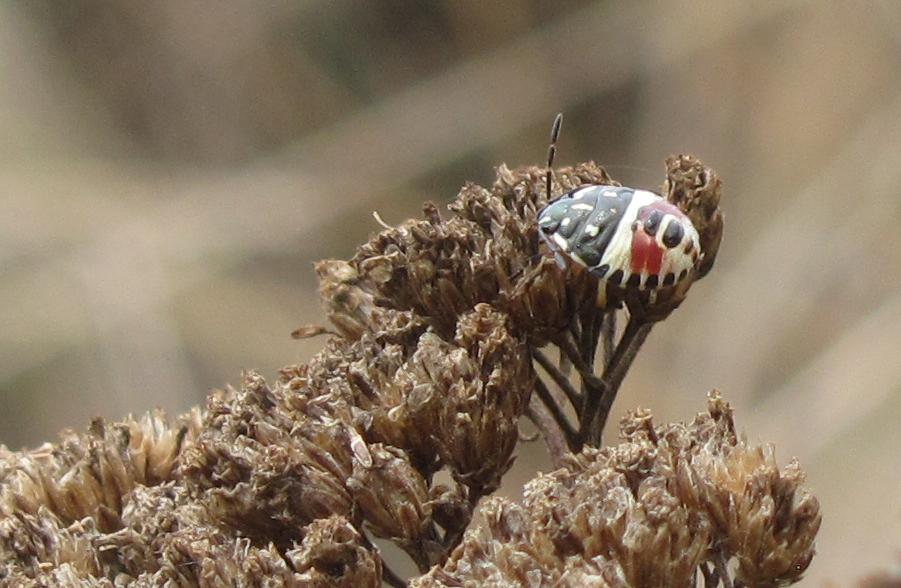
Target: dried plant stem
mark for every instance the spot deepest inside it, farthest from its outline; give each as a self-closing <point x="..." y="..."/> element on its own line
<point x="586" y="371"/>
<point x="559" y="419"/>
<point x="637" y="331"/>
<point x="559" y="377"/>
<point x="592" y="394"/>
<point x="598" y="394"/>
<point x="608" y="334"/>
<point x="575" y="328"/>
<point x="548" y="429"/>
<point x="588" y="341"/>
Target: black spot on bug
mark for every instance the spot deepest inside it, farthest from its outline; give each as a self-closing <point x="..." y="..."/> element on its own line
<point x="601" y="270"/>
<point x="689" y="246"/>
<point x="616" y="277"/>
<point x="673" y="234"/>
<point x="653" y="222"/>
<point x="669" y="279"/>
<point x="634" y="280"/>
<point x="651" y="282"/>
<point x="683" y="274"/>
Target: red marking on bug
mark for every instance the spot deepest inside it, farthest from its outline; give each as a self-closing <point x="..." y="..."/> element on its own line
<point x="647" y="256"/>
<point x="664" y="207"/>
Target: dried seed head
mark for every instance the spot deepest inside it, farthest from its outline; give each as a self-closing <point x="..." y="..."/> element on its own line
<point x="88" y="475"/>
<point x="267" y="469"/>
<point x="453" y="403"/>
<point x="767" y="520"/>
<point x="488" y="252"/>
<point x="393" y="497"/>
<point x="353" y="308"/>
<point x="647" y="512"/>
<point x="487" y="380"/>
<point x="501" y="552"/>
<point x="29" y="540"/>
<point x="332" y="554"/>
<point x="696" y="190"/>
<point x="430" y="370"/>
<point x="171" y="538"/>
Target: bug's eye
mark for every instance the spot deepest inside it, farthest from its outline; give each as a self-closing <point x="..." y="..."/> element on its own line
<point x="547" y="229"/>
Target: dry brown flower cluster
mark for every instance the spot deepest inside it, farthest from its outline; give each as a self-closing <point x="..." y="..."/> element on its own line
<point x="669" y="506"/>
<point x="447" y="333"/>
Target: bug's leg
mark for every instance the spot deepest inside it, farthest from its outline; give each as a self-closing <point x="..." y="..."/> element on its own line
<point x="636" y="331"/>
<point x="608" y="333"/>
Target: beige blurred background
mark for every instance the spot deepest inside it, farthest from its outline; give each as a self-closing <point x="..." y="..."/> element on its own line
<point x="169" y="171"/>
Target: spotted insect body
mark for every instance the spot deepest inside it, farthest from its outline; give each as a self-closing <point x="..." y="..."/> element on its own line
<point x="630" y="238"/>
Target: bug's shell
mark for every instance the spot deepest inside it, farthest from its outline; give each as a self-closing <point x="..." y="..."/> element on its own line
<point x="631" y="238"/>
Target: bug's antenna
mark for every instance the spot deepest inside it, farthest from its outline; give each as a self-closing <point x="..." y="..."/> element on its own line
<point x="552" y="151"/>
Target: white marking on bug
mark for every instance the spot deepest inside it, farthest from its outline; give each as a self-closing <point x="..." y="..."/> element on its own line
<point x="609" y="193"/>
<point x="664" y="224"/>
<point x="565" y="222"/>
<point x="592" y="230"/>
<point x="581" y="206"/>
<point x="545" y="220"/>
<point x="583" y="193"/>
<point x="618" y="252"/>
<point x="561" y="242"/>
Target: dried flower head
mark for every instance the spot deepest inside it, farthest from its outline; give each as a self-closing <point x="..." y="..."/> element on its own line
<point x="487" y="252"/>
<point x="639" y="514"/>
<point x="696" y="190"/>
<point x="333" y="554"/>
<point x="88" y="475"/>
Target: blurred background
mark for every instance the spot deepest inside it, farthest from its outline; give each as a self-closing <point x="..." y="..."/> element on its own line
<point x="169" y="172"/>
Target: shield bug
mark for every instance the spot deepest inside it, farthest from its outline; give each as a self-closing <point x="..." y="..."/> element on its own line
<point x="630" y="238"/>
